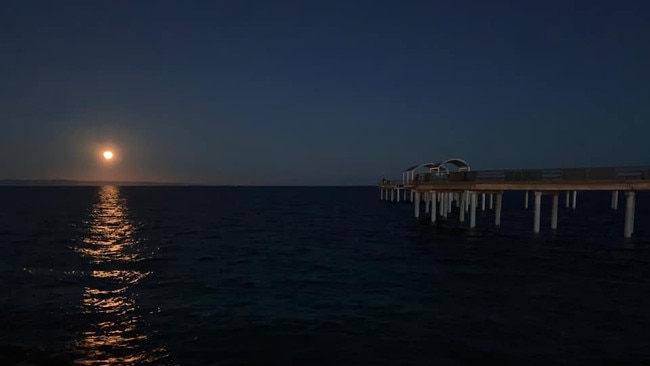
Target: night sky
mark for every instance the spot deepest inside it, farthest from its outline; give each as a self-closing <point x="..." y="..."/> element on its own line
<point x="319" y="92"/>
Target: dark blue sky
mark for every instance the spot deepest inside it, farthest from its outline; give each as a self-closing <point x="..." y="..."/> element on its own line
<point x="319" y="92"/>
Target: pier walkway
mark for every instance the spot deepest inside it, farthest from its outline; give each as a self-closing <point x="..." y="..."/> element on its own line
<point x="443" y="191"/>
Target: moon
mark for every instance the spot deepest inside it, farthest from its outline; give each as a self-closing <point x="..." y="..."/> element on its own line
<point x="108" y="155"/>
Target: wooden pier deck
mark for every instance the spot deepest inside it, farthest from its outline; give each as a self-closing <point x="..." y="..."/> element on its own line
<point x="459" y="191"/>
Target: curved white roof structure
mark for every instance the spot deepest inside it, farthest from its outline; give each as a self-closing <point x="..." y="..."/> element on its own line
<point x="439" y="168"/>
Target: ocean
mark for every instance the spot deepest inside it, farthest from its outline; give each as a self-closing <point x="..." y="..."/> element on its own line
<point x="314" y="276"/>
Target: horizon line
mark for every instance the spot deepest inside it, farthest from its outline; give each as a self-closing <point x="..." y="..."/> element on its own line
<point x="95" y="183"/>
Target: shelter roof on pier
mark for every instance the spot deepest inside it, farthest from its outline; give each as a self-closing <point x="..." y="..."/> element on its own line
<point x="416" y="167"/>
<point x="458" y="163"/>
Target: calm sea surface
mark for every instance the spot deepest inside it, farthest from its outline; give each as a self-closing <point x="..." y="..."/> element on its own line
<point x="230" y="276"/>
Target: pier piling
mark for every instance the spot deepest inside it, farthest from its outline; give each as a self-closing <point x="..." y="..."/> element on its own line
<point x="472" y="214"/>
<point x="427" y="201"/>
<point x="461" y="210"/>
<point x="567" y="203"/>
<point x="443" y="204"/>
<point x="556" y="200"/>
<point x="526" y="200"/>
<point x="497" y="211"/>
<point x="482" y="201"/>
<point x="538" y="211"/>
<point x="629" y="214"/>
<point x="614" y="200"/>
<point x="575" y="197"/>
<point x="433" y="207"/>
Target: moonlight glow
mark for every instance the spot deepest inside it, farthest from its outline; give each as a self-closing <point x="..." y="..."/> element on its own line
<point x="108" y="155"/>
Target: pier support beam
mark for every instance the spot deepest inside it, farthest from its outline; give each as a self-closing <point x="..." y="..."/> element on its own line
<point x="417" y="205"/>
<point x="392" y="194"/>
<point x="449" y="202"/>
<point x="443" y="201"/>
<point x="461" y="210"/>
<point x="482" y="201"/>
<point x="404" y="194"/>
<point x="575" y="197"/>
<point x="472" y="212"/>
<point x="433" y="207"/>
<point x="491" y="201"/>
<point x="412" y="195"/>
<point x="441" y="204"/>
<point x="538" y="211"/>
<point x="629" y="213"/>
<point x="398" y="195"/>
<point x="526" y="200"/>
<point x="567" y="199"/>
<point x="427" y="201"/>
<point x="497" y="211"/>
<point x="556" y="200"/>
<point x="614" y="200"/>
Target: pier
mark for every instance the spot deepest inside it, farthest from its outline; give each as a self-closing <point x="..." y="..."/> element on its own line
<point x="451" y="187"/>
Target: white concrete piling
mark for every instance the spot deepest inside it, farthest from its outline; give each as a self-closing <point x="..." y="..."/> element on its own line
<point x="472" y="213"/>
<point x="482" y="201"/>
<point x="491" y="201"/>
<point x="556" y="200"/>
<point x="526" y="200"/>
<point x="567" y="199"/>
<point x="427" y="201"/>
<point x="538" y="211"/>
<point x="497" y="211"/>
<point x="614" y="200"/>
<point x="629" y="213"/>
<point x="416" y="206"/>
<point x="575" y="197"/>
<point x="461" y="211"/>
<point x="443" y="205"/>
<point x="433" y="207"/>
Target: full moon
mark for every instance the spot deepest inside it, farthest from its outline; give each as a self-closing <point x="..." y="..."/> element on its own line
<point x="108" y="155"/>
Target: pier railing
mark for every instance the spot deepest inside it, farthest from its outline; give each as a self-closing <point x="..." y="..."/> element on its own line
<point x="536" y="175"/>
